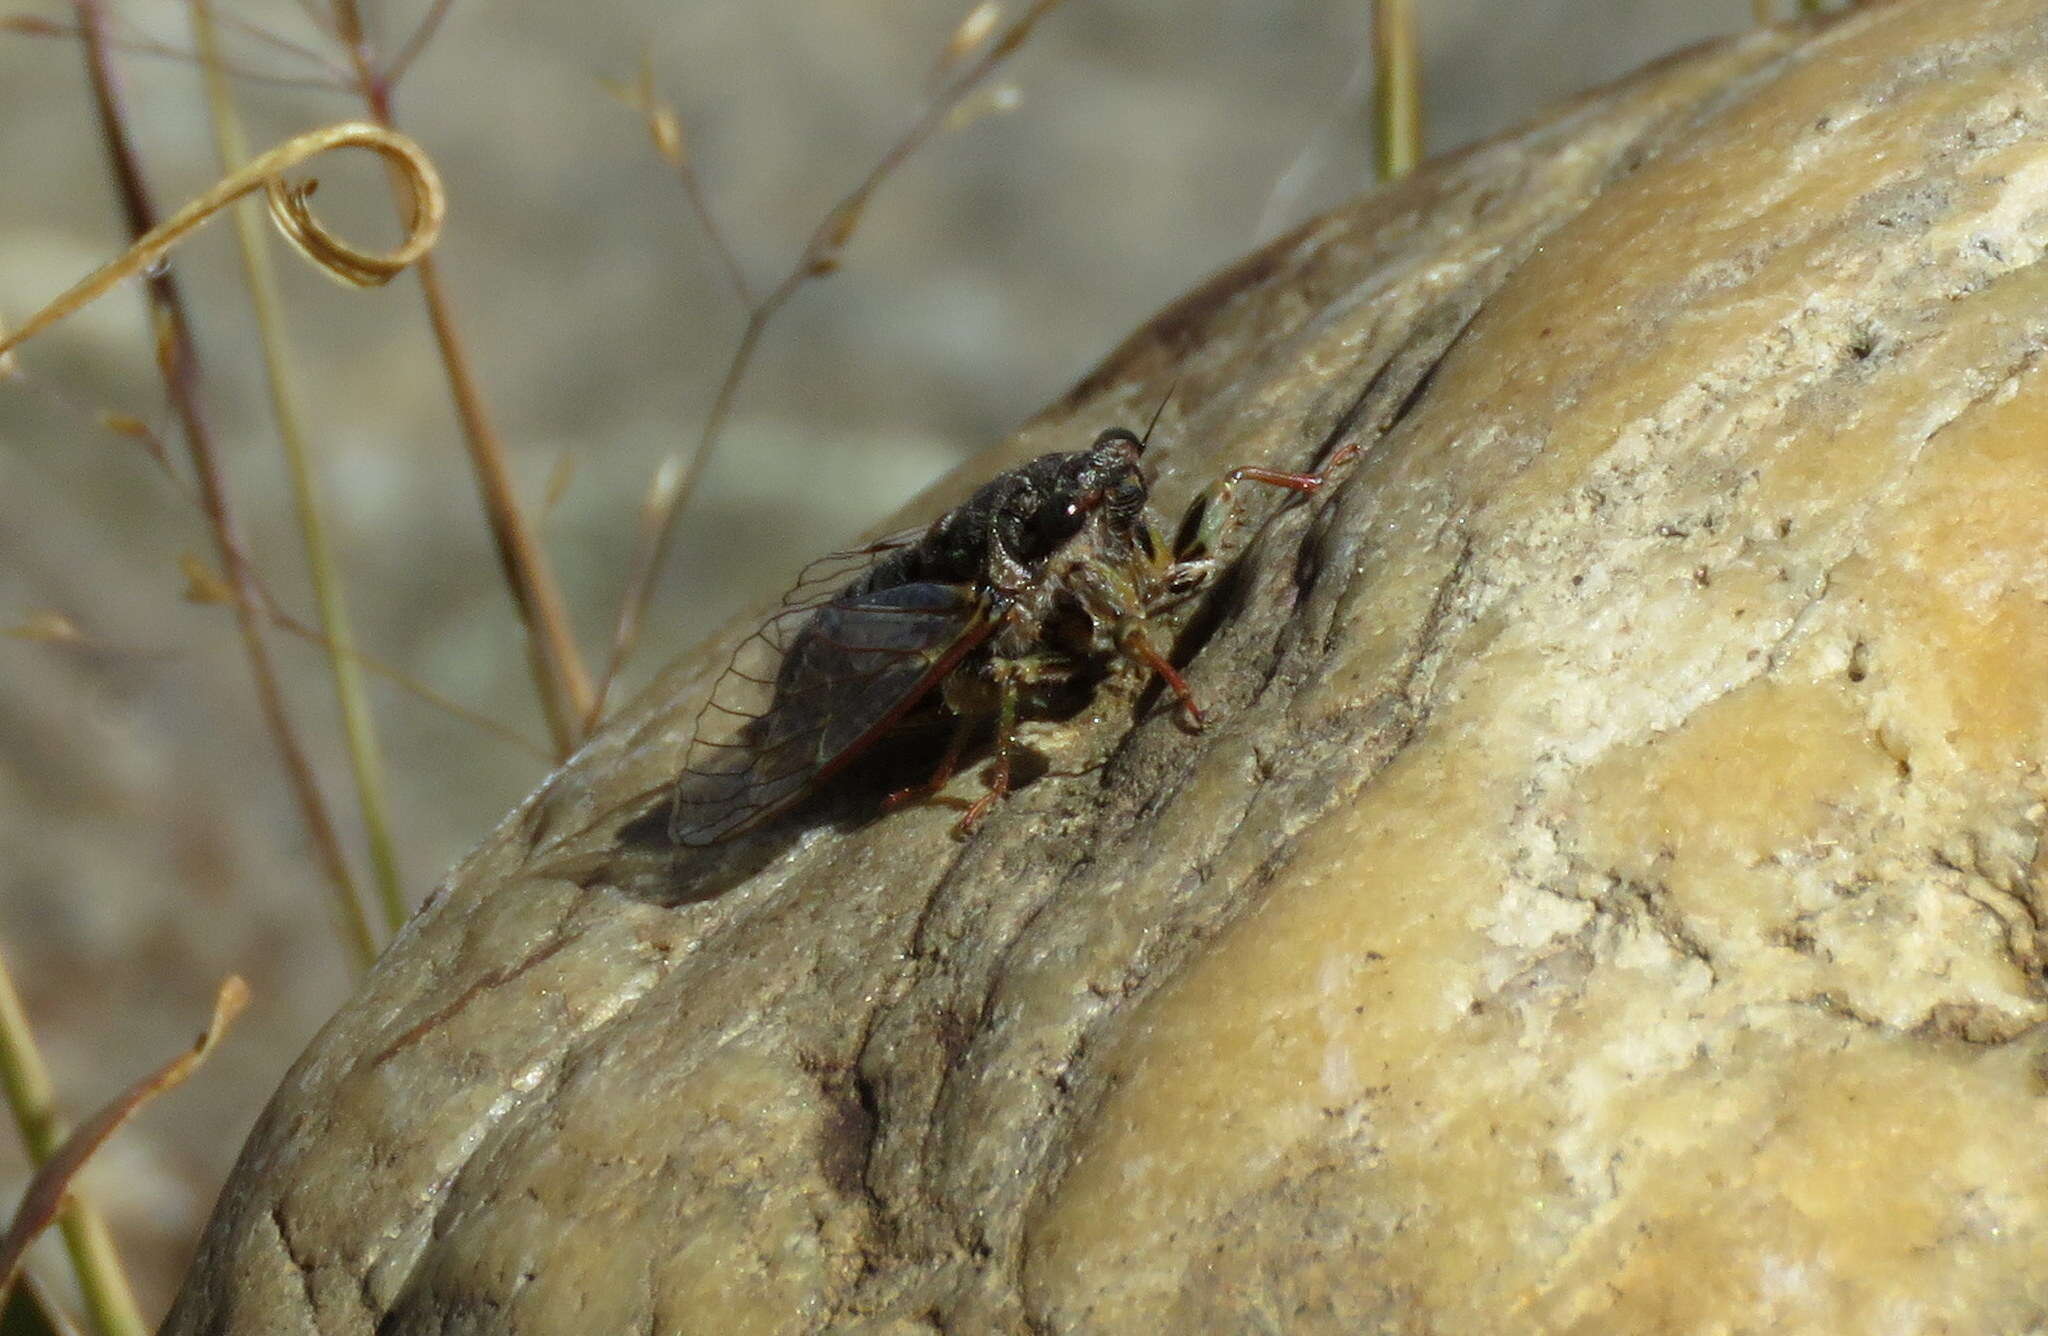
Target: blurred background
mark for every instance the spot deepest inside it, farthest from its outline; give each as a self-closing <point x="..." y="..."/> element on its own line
<point x="147" y="846"/>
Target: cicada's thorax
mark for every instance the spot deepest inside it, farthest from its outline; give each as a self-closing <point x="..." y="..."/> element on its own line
<point x="1075" y="564"/>
<point x="1087" y="596"/>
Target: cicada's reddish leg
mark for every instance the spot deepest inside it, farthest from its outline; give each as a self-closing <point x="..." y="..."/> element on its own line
<point x="1139" y="646"/>
<point x="1009" y="693"/>
<point x="1201" y="534"/>
<point x="942" y="774"/>
<point x="1200" y="541"/>
<point x="1196" y="556"/>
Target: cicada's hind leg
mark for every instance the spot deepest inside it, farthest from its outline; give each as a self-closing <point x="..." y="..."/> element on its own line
<point x="1009" y="689"/>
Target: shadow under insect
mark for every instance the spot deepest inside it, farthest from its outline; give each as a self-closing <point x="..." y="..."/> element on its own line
<point x="647" y="862"/>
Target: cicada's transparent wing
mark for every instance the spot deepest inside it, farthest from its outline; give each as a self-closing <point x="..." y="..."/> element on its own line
<point x="809" y="691"/>
<point x="820" y="581"/>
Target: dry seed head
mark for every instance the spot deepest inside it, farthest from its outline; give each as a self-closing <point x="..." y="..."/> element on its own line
<point x="559" y="478"/>
<point x="994" y="100"/>
<point x="167" y="363"/>
<point x="831" y="237"/>
<point x="662" y="488"/>
<point x="201" y="584"/>
<point x="47" y="626"/>
<point x="125" y="424"/>
<point x="664" y="126"/>
<point x="972" y="31"/>
<point x="135" y="429"/>
<point x="666" y="129"/>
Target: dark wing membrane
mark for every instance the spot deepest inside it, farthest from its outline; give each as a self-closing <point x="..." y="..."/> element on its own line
<point x="808" y="691"/>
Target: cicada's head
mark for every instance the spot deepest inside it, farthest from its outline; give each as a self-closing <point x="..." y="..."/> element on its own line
<point x="1098" y="493"/>
<point x="1108" y="479"/>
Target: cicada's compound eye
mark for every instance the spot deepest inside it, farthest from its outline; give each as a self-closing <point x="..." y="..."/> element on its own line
<point x="1126" y="500"/>
<point x="1117" y="445"/>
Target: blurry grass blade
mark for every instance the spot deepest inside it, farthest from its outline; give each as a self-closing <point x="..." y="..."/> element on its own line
<point x="1283" y="201"/>
<point x="31" y="1098"/>
<point x="429" y="24"/>
<point x="30" y="26"/>
<point x="994" y="100"/>
<point x="276" y="41"/>
<point x="120" y="424"/>
<point x="412" y="686"/>
<point x="10" y="365"/>
<point x="168" y="362"/>
<point x="366" y="763"/>
<point x="46" y="1190"/>
<point x="201" y="579"/>
<point x="288" y="207"/>
<point x="560" y="679"/>
<point x="201" y="584"/>
<point x="127" y="424"/>
<point x="666" y="129"/>
<point x="1397" y="88"/>
<point x="650" y="548"/>
<point x="151" y="240"/>
<point x="828" y="243"/>
<point x="28" y="1311"/>
<point x="47" y="626"/>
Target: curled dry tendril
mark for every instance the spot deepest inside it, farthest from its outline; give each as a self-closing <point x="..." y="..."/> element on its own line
<point x="328" y="252"/>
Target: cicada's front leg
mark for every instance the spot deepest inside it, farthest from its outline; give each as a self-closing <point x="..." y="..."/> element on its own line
<point x="1198" y="548"/>
<point x="1136" y="643"/>
<point x="1213" y="515"/>
<point x="1197" y="555"/>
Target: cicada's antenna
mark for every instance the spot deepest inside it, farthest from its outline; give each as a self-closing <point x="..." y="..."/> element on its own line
<point x="1158" y="412"/>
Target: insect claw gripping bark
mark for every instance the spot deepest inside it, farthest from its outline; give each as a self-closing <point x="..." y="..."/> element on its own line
<point x="1048" y="574"/>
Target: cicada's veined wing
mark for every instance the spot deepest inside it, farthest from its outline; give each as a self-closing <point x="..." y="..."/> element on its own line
<point x="812" y="689"/>
<point x="819" y="582"/>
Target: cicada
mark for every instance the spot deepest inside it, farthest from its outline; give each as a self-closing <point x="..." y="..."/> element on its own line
<point x="1049" y="574"/>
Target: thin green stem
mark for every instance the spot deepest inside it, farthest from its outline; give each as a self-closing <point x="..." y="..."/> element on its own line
<point x="179" y="359"/>
<point x="1397" y="89"/>
<point x="359" y="726"/>
<point x="101" y="1279"/>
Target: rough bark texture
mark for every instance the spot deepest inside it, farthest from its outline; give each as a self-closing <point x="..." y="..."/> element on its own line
<point x="1607" y="899"/>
